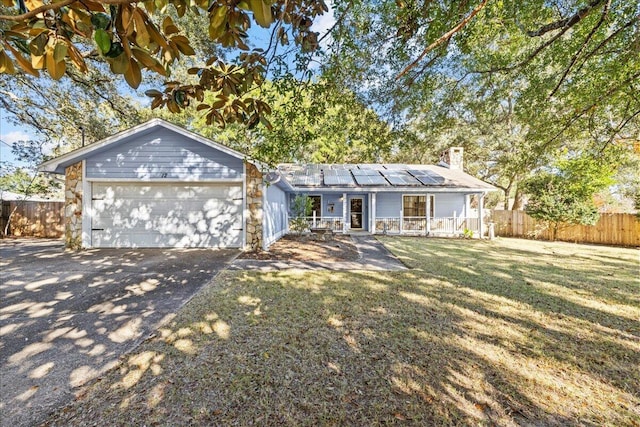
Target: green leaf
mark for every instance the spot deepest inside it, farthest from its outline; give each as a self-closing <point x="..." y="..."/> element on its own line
<point x="261" y="13"/>
<point x="103" y="40"/>
<point x="100" y="21"/>
<point x="153" y="93"/>
<point x="60" y="51"/>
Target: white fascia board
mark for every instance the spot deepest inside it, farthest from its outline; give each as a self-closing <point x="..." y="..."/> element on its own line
<point x="364" y="190"/>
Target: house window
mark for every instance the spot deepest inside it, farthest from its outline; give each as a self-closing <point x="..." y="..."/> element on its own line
<point x="416" y="206"/>
<point x="316" y="205"/>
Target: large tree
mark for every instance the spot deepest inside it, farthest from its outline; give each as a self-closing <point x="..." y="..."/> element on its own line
<point x="564" y="195"/>
<point x="578" y="57"/>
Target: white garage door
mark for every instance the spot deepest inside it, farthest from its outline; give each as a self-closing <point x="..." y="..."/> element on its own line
<point x="166" y="215"/>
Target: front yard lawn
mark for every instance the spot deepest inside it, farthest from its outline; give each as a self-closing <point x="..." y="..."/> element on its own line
<point x="508" y="332"/>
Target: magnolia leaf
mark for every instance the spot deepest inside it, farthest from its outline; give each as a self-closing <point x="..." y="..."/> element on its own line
<point x="119" y="64"/>
<point x="33" y="4"/>
<point x="6" y="65"/>
<point x="172" y="106"/>
<point x="148" y="61"/>
<point x="56" y="69"/>
<point x="116" y="50"/>
<point x="143" y="38"/>
<point x="168" y="27"/>
<point x="60" y="51"/>
<point x="37" y="45"/>
<point x="133" y="76"/>
<point x="103" y="40"/>
<point x="77" y="59"/>
<point x="24" y="64"/>
<point x="37" y="62"/>
<point x="182" y="43"/>
<point x="101" y="21"/>
<point x="153" y="93"/>
<point x="261" y="13"/>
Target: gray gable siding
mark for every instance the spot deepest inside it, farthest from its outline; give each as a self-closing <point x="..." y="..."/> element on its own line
<point x="163" y="154"/>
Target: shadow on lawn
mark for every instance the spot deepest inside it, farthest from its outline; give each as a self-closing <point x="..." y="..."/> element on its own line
<point x="470" y="336"/>
<point x="66" y="317"/>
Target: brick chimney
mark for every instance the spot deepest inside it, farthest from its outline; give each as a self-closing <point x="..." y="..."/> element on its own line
<point x="452" y="158"/>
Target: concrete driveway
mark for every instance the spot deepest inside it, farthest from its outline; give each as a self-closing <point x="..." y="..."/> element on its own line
<point x="67" y="317"/>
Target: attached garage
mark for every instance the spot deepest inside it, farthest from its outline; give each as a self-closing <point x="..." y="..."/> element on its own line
<point x="166" y="215"/>
<point x="159" y="186"/>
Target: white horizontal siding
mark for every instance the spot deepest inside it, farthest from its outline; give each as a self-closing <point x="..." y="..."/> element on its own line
<point x="275" y="214"/>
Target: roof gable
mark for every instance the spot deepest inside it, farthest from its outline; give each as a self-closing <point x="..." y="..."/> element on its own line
<point x="58" y="164"/>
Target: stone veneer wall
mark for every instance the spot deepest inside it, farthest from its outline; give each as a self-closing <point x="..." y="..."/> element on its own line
<point x="73" y="206"/>
<point x="255" y="186"/>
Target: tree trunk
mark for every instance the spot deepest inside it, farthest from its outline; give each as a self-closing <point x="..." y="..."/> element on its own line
<point x="517" y="200"/>
<point x="506" y="191"/>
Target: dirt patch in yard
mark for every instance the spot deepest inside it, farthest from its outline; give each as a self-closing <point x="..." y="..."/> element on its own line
<point x="308" y="248"/>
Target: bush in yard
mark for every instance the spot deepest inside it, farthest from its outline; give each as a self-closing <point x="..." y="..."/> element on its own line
<point x="300" y="210"/>
<point x="564" y="195"/>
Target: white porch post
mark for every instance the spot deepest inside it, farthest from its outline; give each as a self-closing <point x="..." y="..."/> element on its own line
<point x="467" y="205"/>
<point x="372" y="229"/>
<point x="455" y="223"/>
<point x="480" y="207"/>
<point x="344" y="212"/>
<point x="401" y="225"/>
<point x="427" y="223"/>
<point x="428" y="214"/>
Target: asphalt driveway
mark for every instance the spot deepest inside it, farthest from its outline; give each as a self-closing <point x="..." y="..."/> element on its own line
<point x="66" y="317"/>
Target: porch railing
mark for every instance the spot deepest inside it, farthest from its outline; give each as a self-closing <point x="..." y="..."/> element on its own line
<point x="404" y="225"/>
<point x="331" y="222"/>
<point x="418" y="225"/>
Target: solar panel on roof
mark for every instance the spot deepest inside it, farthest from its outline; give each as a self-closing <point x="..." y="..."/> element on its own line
<point x="338" y="177"/>
<point x="365" y="172"/>
<point x="306" y="178"/>
<point x="374" y="166"/>
<point x="428" y="177"/>
<point x="400" y="177"/>
<point x="365" y="180"/>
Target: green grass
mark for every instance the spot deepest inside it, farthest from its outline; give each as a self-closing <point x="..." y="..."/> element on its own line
<point x="508" y="332"/>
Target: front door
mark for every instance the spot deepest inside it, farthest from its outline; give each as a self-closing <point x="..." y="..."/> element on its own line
<point x="355" y="210"/>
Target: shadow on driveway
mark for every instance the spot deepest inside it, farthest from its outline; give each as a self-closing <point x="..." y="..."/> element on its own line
<point x="66" y="317"/>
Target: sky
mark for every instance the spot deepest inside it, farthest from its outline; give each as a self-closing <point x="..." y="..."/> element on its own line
<point x="9" y="134"/>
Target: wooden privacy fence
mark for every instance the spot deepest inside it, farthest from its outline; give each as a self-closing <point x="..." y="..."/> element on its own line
<point x="611" y="229"/>
<point x="33" y="219"/>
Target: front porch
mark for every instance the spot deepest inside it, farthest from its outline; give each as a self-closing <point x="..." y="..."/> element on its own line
<point x="416" y="226"/>
<point x="449" y="214"/>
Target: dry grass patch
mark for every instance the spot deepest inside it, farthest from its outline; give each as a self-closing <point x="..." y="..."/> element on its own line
<point x="292" y="247"/>
<point x="503" y="333"/>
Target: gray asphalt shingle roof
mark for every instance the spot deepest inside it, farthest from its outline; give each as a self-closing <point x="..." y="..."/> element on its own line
<point x="378" y="176"/>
